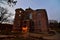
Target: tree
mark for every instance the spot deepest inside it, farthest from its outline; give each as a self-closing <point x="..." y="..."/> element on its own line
<point x="5" y="7"/>
<point x="4" y="15"/>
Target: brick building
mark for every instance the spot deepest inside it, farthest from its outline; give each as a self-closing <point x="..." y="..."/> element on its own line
<point x="34" y="20"/>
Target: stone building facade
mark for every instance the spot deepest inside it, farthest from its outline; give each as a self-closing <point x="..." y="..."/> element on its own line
<point x="34" y="20"/>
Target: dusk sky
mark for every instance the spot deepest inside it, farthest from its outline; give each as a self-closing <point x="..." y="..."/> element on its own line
<point x="52" y="7"/>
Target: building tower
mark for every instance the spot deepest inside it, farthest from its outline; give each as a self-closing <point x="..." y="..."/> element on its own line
<point x="40" y="20"/>
<point x="18" y="20"/>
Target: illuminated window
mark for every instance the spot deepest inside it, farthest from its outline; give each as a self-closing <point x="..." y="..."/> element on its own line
<point x="24" y="29"/>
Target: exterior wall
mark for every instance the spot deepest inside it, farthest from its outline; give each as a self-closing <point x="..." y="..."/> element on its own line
<point x="42" y="17"/>
<point x="40" y="20"/>
<point x="34" y="18"/>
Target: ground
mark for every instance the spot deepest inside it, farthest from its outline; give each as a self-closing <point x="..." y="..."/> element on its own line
<point x="30" y="36"/>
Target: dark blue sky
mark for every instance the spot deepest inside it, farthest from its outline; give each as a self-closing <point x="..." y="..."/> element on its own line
<point x="52" y="7"/>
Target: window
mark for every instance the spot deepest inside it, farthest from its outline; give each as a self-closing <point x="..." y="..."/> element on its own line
<point x="30" y="15"/>
<point x="19" y="15"/>
<point x="38" y="15"/>
<point x="31" y="26"/>
<point x="20" y="11"/>
<point x="39" y="23"/>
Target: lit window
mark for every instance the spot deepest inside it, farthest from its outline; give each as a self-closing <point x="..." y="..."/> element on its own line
<point x="24" y="29"/>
